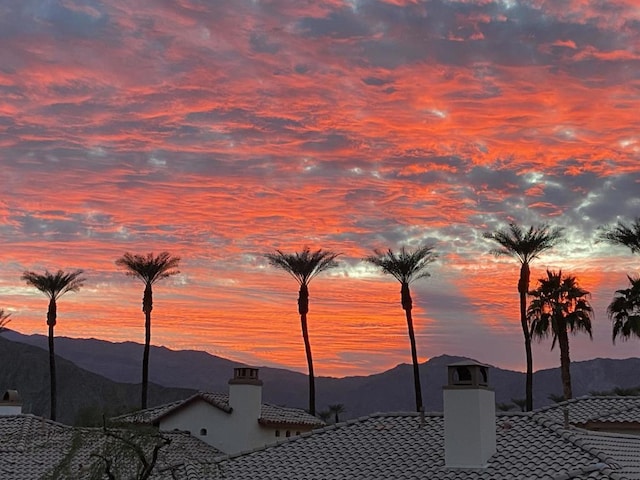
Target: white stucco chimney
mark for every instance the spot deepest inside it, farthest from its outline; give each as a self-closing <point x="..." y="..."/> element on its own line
<point x="245" y="394"/>
<point x="469" y="416"/>
<point x="11" y="403"/>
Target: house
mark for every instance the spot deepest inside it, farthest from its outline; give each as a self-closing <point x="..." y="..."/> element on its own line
<point x="33" y="448"/>
<point x="232" y="422"/>
<point x="467" y="441"/>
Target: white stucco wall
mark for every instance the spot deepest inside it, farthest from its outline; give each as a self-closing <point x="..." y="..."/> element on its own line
<point x="228" y="432"/>
<point x="10" y="409"/>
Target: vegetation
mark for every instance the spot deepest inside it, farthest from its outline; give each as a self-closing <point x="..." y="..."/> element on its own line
<point x="559" y="306"/>
<point x="4" y="319"/>
<point x="555" y="398"/>
<point x="617" y="391"/>
<point x="521" y="403"/>
<point x="407" y="267"/>
<point x="525" y="245"/>
<point x="149" y="269"/>
<point x="130" y="452"/>
<point x="303" y="267"/>
<point x="54" y="285"/>
<point x="336" y="409"/>
<point x="324" y="415"/>
<point x="624" y="311"/>
<point x="625" y="235"/>
<point x="504" y="407"/>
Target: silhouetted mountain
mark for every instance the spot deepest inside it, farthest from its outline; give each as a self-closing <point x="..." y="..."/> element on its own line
<point x="82" y="396"/>
<point x="391" y="390"/>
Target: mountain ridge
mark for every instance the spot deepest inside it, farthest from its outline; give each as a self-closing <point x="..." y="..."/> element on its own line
<point x="390" y="390"/>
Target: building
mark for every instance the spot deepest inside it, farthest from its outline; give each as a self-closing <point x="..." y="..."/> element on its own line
<point x="233" y="422"/>
<point x="590" y="438"/>
<point x="551" y="443"/>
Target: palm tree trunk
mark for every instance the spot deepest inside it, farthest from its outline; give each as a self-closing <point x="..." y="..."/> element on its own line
<point x="407" y="305"/>
<point x="51" y="322"/>
<point x="523" y="288"/>
<point x="147" y="306"/>
<point x="303" y="309"/>
<point x="565" y="362"/>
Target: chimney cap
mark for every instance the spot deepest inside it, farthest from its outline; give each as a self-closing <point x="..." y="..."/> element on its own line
<point x="245" y="376"/>
<point x="11" y="397"/>
<point x="468" y="373"/>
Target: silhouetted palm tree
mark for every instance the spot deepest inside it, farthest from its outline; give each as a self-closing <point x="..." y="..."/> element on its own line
<point x="149" y="269"/>
<point x="4" y="319"/>
<point x="626" y="235"/>
<point x="624" y="311"/>
<point x="324" y="415"/>
<point x="521" y="403"/>
<point x="54" y="285"/>
<point x="559" y="306"/>
<point x="303" y="267"/>
<point x="407" y="267"/>
<point x="525" y="246"/>
<point x="336" y="409"/>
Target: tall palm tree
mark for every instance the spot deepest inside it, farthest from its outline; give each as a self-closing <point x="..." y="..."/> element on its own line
<point x="4" y="319"/>
<point x="560" y="306"/>
<point x="407" y="267"/>
<point x="54" y="285"/>
<point x="624" y="311"/>
<point x="525" y="245"/>
<point x="626" y="235"/>
<point x="149" y="269"/>
<point x="303" y="267"/>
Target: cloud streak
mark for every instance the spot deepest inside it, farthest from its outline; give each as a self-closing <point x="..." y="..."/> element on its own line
<point x="222" y="130"/>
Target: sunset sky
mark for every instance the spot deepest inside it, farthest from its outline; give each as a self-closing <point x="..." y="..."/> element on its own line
<point x="222" y="130"/>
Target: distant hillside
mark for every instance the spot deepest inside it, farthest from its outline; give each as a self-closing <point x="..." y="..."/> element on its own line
<point x="391" y="390"/>
<point x="81" y="394"/>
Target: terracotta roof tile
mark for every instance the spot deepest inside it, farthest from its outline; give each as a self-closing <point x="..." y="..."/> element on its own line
<point x="395" y="446"/>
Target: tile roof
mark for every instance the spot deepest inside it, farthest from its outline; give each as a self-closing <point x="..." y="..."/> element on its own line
<point x="34" y="448"/>
<point x="277" y="415"/>
<point x="402" y="446"/>
<point x="583" y="410"/>
<point x="270" y="414"/>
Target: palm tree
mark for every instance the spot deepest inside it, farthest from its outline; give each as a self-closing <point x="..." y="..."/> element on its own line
<point x="336" y="409"/>
<point x="626" y="235"/>
<point x="521" y="403"/>
<point x="303" y="267"/>
<point x="324" y="415"/>
<point x="559" y="306"/>
<point x="4" y="319"/>
<point x="525" y="246"/>
<point x="407" y="267"/>
<point x="149" y="269"/>
<point x="624" y="311"/>
<point x="54" y="285"/>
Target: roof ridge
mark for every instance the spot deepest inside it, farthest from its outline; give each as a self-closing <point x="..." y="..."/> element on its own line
<point x="572" y="436"/>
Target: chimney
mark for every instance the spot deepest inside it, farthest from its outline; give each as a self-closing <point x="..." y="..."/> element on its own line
<point x="469" y="416"/>
<point x="245" y="394"/>
<point x="11" y="403"/>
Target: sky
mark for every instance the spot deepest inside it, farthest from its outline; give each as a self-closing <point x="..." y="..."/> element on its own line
<point x="222" y="130"/>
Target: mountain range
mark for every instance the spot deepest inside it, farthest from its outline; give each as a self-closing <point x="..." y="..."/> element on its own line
<point x="97" y="376"/>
